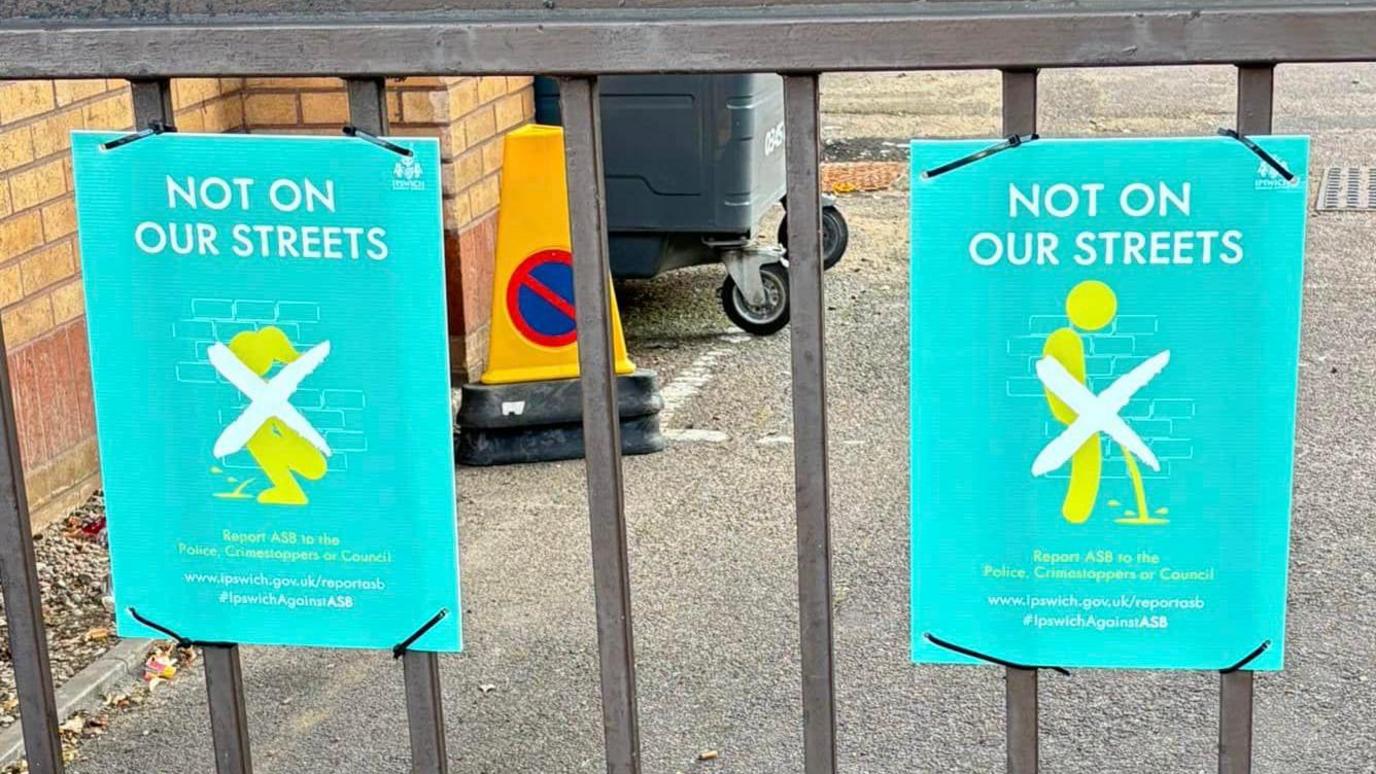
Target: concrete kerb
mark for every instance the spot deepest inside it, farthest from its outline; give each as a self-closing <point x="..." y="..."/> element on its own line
<point x="120" y="664"/>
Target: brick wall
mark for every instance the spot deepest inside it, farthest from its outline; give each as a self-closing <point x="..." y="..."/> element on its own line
<point x="469" y="115"/>
<point x="41" y="303"/>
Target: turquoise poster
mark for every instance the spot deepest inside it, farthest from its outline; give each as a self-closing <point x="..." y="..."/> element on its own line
<point x="1104" y="354"/>
<point x="271" y="371"/>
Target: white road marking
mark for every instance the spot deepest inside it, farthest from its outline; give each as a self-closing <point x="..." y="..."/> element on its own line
<point x="689" y="383"/>
<point x="696" y="435"/>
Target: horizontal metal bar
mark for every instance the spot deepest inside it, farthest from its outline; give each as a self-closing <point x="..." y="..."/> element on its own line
<point x="805" y="37"/>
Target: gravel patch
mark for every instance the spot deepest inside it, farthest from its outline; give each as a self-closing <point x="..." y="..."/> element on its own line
<point x="74" y="572"/>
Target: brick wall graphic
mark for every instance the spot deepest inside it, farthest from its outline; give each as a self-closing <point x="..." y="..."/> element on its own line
<point x="1163" y="420"/>
<point x="336" y="412"/>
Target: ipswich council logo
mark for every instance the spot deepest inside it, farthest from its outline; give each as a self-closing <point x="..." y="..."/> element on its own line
<point x="1268" y="177"/>
<point x="407" y="175"/>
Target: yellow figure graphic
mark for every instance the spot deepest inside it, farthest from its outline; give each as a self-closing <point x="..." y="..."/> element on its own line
<point x="1090" y="306"/>
<point x="280" y="451"/>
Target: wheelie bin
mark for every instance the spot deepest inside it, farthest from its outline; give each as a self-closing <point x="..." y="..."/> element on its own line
<point x="692" y="163"/>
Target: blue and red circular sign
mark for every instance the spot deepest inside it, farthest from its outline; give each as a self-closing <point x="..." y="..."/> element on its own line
<point x="539" y="298"/>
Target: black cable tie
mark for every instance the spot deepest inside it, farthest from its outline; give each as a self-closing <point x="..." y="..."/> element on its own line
<point x="400" y="648"/>
<point x="1013" y="141"/>
<point x="964" y="651"/>
<point x="1247" y="659"/>
<point x="182" y="642"/>
<point x="155" y="127"/>
<point x="354" y="131"/>
<point x="1261" y="152"/>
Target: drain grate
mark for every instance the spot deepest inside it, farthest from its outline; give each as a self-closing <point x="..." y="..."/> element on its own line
<point x="1347" y="188"/>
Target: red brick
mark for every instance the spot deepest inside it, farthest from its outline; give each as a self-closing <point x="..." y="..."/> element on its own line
<point x="68" y="414"/>
<point x="50" y="354"/>
<point x="80" y="354"/>
<point x="477" y="253"/>
<point x="28" y="393"/>
<point x="453" y="283"/>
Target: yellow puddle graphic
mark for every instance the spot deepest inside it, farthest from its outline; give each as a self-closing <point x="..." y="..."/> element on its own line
<point x="237" y="493"/>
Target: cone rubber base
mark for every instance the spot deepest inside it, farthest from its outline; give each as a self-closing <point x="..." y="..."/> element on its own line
<point x="500" y="424"/>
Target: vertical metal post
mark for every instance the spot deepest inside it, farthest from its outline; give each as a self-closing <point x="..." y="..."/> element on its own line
<point x="23" y="597"/>
<point x="152" y="101"/>
<point x="368" y="104"/>
<point x="1235" y="723"/>
<point x="578" y="99"/>
<point x="425" y="712"/>
<point x="1020" y="685"/>
<point x="1020" y="704"/>
<point x="421" y="670"/>
<point x="1019" y="101"/>
<point x="224" y="684"/>
<point x="224" y="680"/>
<point x="812" y="489"/>
<point x="1255" y="90"/>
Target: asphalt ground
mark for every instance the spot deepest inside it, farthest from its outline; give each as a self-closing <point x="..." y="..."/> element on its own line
<point x="712" y="536"/>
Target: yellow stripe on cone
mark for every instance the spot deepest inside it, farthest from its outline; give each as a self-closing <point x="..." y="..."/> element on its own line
<point x="532" y="336"/>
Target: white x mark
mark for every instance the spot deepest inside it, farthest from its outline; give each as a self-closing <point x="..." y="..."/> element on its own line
<point x="1095" y="413"/>
<point x="267" y="399"/>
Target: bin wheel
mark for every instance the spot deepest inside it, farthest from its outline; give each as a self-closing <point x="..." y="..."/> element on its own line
<point x="835" y="235"/>
<point x="762" y="320"/>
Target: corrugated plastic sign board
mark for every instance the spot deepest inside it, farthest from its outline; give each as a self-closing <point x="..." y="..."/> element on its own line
<point x="1105" y="342"/>
<point x="270" y="364"/>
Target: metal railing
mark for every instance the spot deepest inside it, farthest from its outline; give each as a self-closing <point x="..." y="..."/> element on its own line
<point x="579" y="39"/>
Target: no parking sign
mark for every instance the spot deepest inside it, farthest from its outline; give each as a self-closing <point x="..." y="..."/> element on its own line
<point x="534" y="332"/>
<point x="539" y="298"/>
